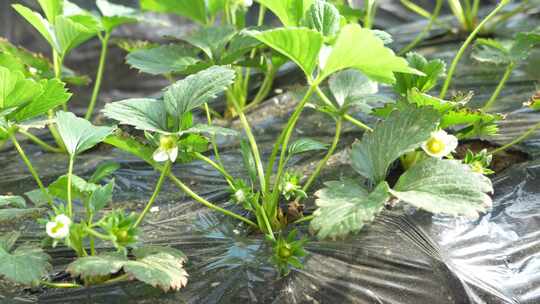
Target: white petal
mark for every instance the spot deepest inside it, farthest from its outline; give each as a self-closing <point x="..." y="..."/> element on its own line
<point x="64" y="219"/>
<point x="173" y="154"/>
<point x="248" y="3"/>
<point x="160" y="155"/>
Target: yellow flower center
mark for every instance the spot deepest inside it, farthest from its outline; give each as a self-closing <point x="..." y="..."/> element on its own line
<point x="57" y="227"/>
<point x="167" y="142"/>
<point x="435" y="146"/>
<point x="477" y="167"/>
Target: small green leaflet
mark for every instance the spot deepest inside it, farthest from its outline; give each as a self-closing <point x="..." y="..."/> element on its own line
<point x="403" y="131"/>
<point x="433" y="70"/>
<point x="444" y="186"/>
<point x="212" y="40"/>
<point x="144" y="114"/>
<point x="25" y="264"/>
<point x="289" y="12"/>
<point x="323" y="17"/>
<point x="114" y="15"/>
<point x="351" y="86"/>
<point x="171" y="58"/>
<point x="104" y="170"/>
<point x="304" y="145"/>
<point x="197" y="89"/>
<point x="78" y="134"/>
<point x="12" y="200"/>
<point x="53" y="94"/>
<point x="345" y="207"/>
<point x="193" y="9"/>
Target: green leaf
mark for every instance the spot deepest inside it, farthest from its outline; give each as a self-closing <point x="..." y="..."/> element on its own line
<point x="24" y="265"/>
<point x="132" y="146"/>
<point x="114" y="15"/>
<point x="144" y="114"/>
<point x="161" y="270"/>
<point x="193" y="9"/>
<point x="306" y="144"/>
<point x="345" y="207"/>
<point x="103" y="170"/>
<point x="289" y="12"/>
<point x="350" y="85"/>
<point x="444" y="186"/>
<point x="164" y="59"/>
<point x="403" y="131"/>
<point x="212" y="40"/>
<point x="15" y="90"/>
<point x="80" y="188"/>
<point x="433" y="70"/>
<point x="51" y="8"/>
<point x="71" y="34"/>
<point x="301" y="45"/>
<point x="97" y="266"/>
<point x="53" y="95"/>
<point x="367" y="54"/>
<point x="524" y="43"/>
<point x="101" y="197"/>
<point x="158" y="267"/>
<point x="197" y="89"/>
<point x="14" y="214"/>
<point x="492" y="51"/>
<point x="12" y="200"/>
<point x="43" y="68"/>
<point x="78" y="134"/>
<point x="210" y="130"/>
<point x="40" y="24"/>
<point x="323" y="17"/>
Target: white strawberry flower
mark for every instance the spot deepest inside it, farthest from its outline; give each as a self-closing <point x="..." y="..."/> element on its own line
<point x="247" y="3"/>
<point x="167" y="150"/>
<point x="440" y="144"/>
<point x="58" y="228"/>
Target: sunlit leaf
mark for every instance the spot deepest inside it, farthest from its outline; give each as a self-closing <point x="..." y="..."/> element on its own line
<point x="53" y="95"/>
<point x="433" y="70"/>
<point x="40" y="24"/>
<point x="289" y="12"/>
<point x="144" y="114"/>
<point x="164" y="59"/>
<point x="323" y="17"/>
<point x="193" y="9"/>
<point x="301" y="45"/>
<point x="367" y="54"/>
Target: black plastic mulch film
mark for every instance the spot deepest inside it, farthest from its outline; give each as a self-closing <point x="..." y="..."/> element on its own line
<point x="406" y="256"/>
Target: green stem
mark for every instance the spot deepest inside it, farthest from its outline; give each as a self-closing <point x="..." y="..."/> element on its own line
<point x="267" y="224"/>
<point x="58" y="61"/>
<point x="347" y="117"/>
<point x="213" y="137"/>
<point x="98" y="234"/>
<point x="206" y="203"/>
<point x="517" y="140"/>
<point x="69" y="181"/>
<point x="303" y="219"/>
<point x="120" y="278"/>
<point x="39" y="142"/>
<point x="154" y="196"/>
<point x="466" y="44"/>
<point x="99" y="75"/>
<point x="425" y="31"/>
<point x="31" y="168"/>
<point x="323" y="162"/>
<point x="499" y="88"/>
<point x="285" y="142"/>
<point x="60" y="285"/>
<point x="265" y="88"/>
<point x="219" y="168"/>
<point x="252" y="143"/>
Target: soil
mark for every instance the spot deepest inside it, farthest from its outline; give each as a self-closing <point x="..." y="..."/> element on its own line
<point x="500" y="162"/>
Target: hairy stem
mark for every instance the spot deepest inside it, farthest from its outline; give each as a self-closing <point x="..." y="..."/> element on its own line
<point x="323" y="162"/>
<point x="69" y="182"/>
<point x="347" y="117"/>
<point x="154" y="196"/>
<point x="99" y="75"/>
<point x="206" y="203"/>
<point x="499" y="88"/>
<point x="58" y="61"/>
<point x="466" y="44"/>
<point x="60" y="285"/>
<point x="252" y="143"/>
<point x="517" y="140"/>
<point x="99" y="235"/>
<point x="39" y="142"/>
<point x="213" y="136"/>
<point x="216" y="166"/>
<point x="425" y="31"/>
<point x="33" y="172"/>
